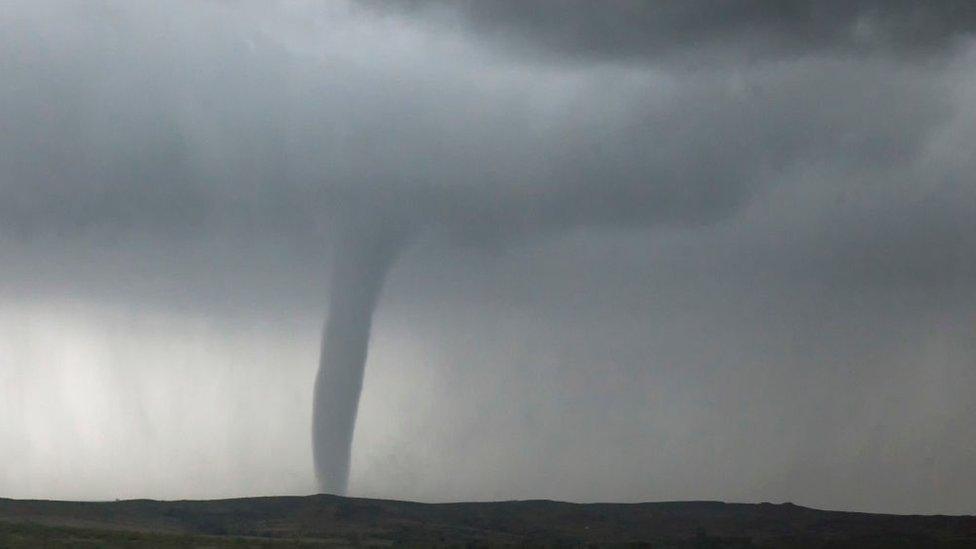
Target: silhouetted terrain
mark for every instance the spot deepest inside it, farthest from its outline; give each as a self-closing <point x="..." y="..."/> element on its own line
<point x="331" y="520"/>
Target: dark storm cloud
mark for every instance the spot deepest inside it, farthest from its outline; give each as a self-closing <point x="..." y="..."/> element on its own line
<point x="634" y="30"/>
<point x="177" y="133"/>
<point x="118" y="123"/>
<point x="122" y="130"/>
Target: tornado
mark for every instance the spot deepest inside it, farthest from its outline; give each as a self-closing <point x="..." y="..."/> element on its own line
<point x="363" y="256"/>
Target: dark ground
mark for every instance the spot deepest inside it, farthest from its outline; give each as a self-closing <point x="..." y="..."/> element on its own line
<point x="330" y="520"/>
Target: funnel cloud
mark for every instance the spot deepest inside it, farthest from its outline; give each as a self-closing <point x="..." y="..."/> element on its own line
<point x="362" y="259"/>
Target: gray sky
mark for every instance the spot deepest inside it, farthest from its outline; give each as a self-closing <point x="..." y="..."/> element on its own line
<point x="655" y="251"/>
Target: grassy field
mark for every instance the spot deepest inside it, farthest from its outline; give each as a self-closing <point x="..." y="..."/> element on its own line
<point x="322" y="520"/>
<point x="19" y="535"/>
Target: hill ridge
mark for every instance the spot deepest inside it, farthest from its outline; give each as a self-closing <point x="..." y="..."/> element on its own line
<point x="326" y="518"/>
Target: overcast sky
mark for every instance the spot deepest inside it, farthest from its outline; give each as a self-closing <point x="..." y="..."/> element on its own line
<point x="653" y="251"/>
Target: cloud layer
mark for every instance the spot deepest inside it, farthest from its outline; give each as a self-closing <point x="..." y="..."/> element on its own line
<point x="634" y="31"/>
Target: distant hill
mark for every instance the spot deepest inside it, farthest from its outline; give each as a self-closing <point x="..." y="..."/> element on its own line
<point x="332" y="520"/>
